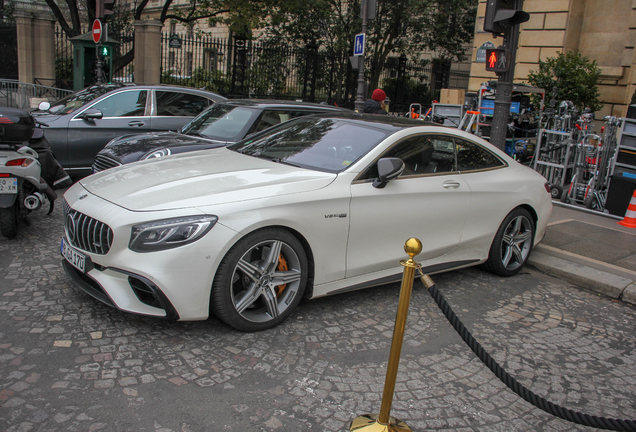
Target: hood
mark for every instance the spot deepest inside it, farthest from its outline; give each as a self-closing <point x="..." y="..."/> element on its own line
<point x="45" y="116"/>
<point x="130" y="148"/>
<point x="199" y="179"/>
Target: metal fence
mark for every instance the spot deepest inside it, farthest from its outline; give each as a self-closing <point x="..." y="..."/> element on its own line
<point x="63" y="61"/>
<point x="244" y="68"/>
<point x="16" y="94"/>
<point x="237" y="67"/>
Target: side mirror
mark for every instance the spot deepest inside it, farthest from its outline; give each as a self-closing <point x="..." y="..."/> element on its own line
<point x="92" y="114"/>
<point x="44" y="106"/>
<point x="388" y="169"/>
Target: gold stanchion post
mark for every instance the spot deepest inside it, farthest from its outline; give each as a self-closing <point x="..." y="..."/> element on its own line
<point x="383" y="422"/>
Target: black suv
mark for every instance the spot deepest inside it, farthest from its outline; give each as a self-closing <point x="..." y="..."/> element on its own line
<point x="222" y="124"/>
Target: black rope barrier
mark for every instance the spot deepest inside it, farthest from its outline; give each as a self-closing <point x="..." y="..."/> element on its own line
<point x="527" y="395"/>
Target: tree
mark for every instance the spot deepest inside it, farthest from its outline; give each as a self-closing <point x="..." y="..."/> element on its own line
<point x="406" y="27"/>
<point x="240" y="15"/>
<point x="575" y="77"/>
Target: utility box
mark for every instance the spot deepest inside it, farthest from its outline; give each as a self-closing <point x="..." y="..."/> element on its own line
<point x="85" y="58"/>
<point x="452" y="96"/>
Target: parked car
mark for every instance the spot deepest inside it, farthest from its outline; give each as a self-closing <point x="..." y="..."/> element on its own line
<point x="221" y="124"/>
<point x="314" y="206"/>
<point x="81" y="124"/>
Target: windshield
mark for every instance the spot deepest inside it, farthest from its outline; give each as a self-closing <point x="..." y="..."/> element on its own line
<point x="79" y="99"/>
<point x="323" y="144"/>
<point x="221" y="122"/>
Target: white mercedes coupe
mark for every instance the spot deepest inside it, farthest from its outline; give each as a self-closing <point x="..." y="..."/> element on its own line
<point x="311" y="207"/>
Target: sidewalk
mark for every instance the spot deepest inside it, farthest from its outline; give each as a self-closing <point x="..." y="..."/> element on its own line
<point x="589" y="249"/>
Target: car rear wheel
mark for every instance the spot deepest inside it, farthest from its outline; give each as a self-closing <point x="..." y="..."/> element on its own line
<point x="512" y="245"/>
<point x="260" y="281"/>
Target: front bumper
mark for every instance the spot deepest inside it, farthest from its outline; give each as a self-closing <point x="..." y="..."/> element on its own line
<point x="174" y="283"/>
<point x="144" y="290"/>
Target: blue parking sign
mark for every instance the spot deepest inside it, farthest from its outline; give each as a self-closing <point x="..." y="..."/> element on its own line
<point x="358" y="46"/>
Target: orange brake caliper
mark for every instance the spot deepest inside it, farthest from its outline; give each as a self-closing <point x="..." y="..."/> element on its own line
<point x="282" y="266"/>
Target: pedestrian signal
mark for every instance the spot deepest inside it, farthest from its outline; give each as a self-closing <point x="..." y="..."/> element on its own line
<point x="104" y="51"/>
<point x="497" y="60"/>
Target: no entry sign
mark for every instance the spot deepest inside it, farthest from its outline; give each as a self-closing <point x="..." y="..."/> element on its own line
<point x="97" y="31"/>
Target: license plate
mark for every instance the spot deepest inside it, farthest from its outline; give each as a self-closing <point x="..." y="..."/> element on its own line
<point x="8" y="185"/>
<point x="74" y="258"/>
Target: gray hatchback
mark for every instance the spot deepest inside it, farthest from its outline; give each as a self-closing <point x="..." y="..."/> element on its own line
<point x="80" y="125"/>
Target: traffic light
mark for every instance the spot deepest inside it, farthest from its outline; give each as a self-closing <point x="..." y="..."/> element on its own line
<point x="501" y="15"/>
<point x="103" y="8"/>
<point x="497" y="60"/>
<point x="104" y="51"/>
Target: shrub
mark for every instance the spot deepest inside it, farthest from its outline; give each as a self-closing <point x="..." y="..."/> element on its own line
<point x="574" y="76"/>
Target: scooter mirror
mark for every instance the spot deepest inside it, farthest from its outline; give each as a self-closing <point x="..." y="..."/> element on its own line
<point x="44" y="106"/>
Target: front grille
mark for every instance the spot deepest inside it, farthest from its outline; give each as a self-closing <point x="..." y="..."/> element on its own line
<point x="86" y="233"/>
<point x="102" y="163"/>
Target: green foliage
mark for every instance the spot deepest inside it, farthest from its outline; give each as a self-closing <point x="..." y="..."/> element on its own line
<point x="575" y="77"/>
<point x="212" y="81"/>
<point x="410" y="89"/>
<point x="64" y="68"/>
<point x="7" y="15"/>
<point x="406" y="27"/>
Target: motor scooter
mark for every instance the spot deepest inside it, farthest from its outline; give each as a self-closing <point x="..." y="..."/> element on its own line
<point x="22" y="187"/>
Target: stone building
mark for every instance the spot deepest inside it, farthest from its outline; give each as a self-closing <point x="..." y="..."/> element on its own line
<point x="602" y="30"/>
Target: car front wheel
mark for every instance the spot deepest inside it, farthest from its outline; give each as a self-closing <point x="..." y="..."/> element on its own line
<point x="512" y="245"/>
<point x="260" y="281"/>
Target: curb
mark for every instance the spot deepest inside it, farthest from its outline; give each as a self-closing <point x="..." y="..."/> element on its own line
<point x="598" y="281"/>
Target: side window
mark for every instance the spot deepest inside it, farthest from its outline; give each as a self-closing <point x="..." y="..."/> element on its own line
<point x="472" y="156"/>
<point x="180" y="104"/>
<point x="124" y="104"/>
<point x="273" y="117"/>
<point x="422" y="154"/>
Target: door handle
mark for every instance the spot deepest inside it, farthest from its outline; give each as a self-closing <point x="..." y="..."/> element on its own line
<point x="136" y="123"/>
<point x="451" y="184"/>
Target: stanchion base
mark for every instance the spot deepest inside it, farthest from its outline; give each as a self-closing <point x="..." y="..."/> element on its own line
<point x="369" y="423"/>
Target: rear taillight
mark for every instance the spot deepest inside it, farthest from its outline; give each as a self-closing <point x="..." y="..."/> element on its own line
<point x="547" y="187"/>
<point x="22" y="162"/>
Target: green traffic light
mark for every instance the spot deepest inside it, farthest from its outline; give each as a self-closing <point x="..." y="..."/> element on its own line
<point x="105" y="51"/>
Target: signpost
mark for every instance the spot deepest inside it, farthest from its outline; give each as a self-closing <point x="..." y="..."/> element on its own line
<point x="97" y="31"/>
<point x="358" y="46"/>
<point x="99" y="65"/>
<point x="481" y="51"/>
<point x="367" y="12"/>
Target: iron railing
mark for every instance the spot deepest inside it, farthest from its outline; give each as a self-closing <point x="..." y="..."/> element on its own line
<point x="238" y="67"/>
<point x="244" y="68"/>
<point x="16" y="94"/>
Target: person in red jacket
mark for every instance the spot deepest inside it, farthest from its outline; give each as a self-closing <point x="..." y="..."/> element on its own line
<point x="375" y="105"/>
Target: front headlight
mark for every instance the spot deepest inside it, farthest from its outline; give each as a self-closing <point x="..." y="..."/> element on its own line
<point x="157" y="154"/>
<point x="170" y="233"/>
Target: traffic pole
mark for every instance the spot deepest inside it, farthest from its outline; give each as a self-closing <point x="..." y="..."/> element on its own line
<point x="503" y="95"/>
<point x="360" y="98"/>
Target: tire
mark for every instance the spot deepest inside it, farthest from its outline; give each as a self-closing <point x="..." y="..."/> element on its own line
<point x="244" y="292"/>
<point x="512" y="245"/>
<point x="564" y="196"/>
<point x="556" y="191"/>
<point x="9" y="222"/>
<point x="591" y="203"/>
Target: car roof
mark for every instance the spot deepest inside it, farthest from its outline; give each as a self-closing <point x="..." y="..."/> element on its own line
<point x="273" y="104"/>
<point x="387" y="122"/>
<point x="117" y="86"/>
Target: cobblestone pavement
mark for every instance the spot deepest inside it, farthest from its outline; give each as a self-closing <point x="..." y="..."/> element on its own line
<point x="69" y="363"/>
